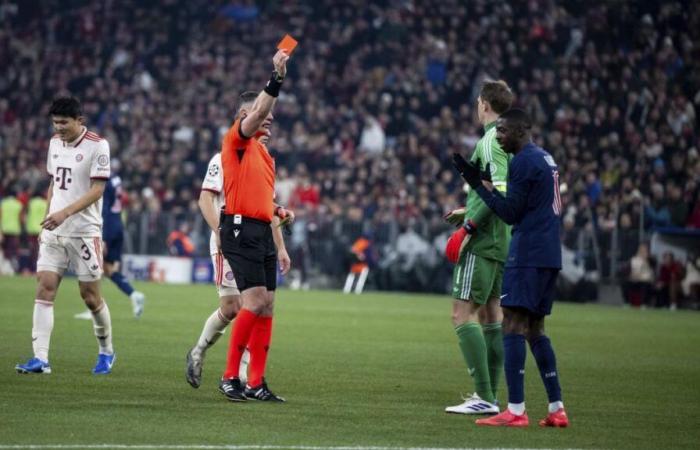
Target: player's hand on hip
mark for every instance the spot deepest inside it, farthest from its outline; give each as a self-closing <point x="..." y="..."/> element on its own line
<point x="54" y="220"/>
<point x="280" y="62"/>
<point x="284" y="261"/>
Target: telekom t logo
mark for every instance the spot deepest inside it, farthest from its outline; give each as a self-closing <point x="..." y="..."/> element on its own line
<point x="63" y="176"/>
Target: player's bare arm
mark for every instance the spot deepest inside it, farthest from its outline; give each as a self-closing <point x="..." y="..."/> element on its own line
<point x="282" y="255"/>
<point x="263" y="105"/>
<point x="207" y="200"/>
<point x="54" y="220"/>
<point x="49" y="196"/>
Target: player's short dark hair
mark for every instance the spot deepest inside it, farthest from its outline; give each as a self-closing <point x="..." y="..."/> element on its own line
<point x="67" y="107"/>
<point x="498" y="95"/>
<point x="244" y="98"/>
<point x="517" y="117"/>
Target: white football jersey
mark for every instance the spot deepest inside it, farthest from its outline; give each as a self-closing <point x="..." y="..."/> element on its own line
<point x="73" y="165"/>
<point x="214" y="182"/>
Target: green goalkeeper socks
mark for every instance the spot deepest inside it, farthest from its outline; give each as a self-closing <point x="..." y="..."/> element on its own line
<point x="493" y="334"/>
<point x="473" y="346"/>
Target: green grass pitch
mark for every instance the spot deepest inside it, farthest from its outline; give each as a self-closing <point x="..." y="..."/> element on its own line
<point x="374" y="370"/>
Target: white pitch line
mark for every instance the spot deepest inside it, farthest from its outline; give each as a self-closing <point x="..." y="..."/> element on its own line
<point x="232" y="447"/>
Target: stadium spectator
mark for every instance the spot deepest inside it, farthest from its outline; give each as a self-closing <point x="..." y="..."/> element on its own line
<point x="668" y="283"/>
<point x="691" y="282"/>
<point x="36" y="211"/>
<point x="678" y="209"/>
<point x="641" y="277"/>
<point x="629" y="238"/>
<point x="361" y="258"/>
<point x="11" y="218"/>
<point x="656" y="211"/>
<point x="694" y="217"/>
<point x="179" y="242"/>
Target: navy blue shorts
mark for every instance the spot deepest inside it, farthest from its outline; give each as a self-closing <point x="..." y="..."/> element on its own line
<point x="532" y="288"/>
<point x="114" y="247"/>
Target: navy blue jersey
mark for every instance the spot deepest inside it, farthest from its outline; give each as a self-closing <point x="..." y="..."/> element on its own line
<point x="112" y="209"/>
<point x="533" y="206"/>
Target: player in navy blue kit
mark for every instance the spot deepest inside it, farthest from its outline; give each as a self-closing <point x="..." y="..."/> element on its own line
<point x="533" y="206"/>
<point x="113" y="239"/>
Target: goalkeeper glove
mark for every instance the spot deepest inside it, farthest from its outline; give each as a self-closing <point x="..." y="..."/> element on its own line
<point x="458" y="240"/>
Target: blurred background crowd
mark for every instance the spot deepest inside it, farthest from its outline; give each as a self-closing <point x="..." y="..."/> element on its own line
<point x="377" y="98"/>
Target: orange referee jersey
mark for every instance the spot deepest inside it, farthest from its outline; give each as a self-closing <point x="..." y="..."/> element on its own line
<point x="249" y="176"/>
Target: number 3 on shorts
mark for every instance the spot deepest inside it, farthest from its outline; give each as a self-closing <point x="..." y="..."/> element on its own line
<point x="85" y="252"/>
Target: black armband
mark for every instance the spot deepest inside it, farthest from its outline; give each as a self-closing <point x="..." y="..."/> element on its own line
<point x="273" y="86"/>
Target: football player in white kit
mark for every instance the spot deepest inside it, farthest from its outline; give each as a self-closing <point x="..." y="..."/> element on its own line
<point x="211" y="200"/>
<point x="79" y="165"/>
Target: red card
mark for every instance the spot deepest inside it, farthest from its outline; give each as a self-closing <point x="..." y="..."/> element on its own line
<point x="287" y="44"/>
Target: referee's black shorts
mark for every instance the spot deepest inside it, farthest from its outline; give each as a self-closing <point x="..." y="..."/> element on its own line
<point x="248" y="247"/>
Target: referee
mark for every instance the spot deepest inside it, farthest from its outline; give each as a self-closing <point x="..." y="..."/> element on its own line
<point x="245" y="233"/>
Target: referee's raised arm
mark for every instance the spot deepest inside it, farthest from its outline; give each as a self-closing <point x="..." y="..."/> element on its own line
<point x="267" y="97"/>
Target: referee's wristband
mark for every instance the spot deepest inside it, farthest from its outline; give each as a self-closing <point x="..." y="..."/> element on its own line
<point x="273" y="86"/>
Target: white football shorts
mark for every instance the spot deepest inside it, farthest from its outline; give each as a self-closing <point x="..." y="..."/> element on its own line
<point x="82" y="254"/>
<point x="223" y="276"/>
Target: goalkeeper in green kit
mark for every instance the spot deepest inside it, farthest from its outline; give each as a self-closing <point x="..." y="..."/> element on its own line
<point x="479" y="249"/>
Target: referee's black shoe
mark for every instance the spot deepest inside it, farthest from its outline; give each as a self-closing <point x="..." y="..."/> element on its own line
<point x="262" y="393"/>
<point x="233" y="390"/>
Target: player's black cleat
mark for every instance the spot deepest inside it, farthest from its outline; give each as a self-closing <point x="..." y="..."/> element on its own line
<point x="262" y="393"/>
<point x="233" y="390"/>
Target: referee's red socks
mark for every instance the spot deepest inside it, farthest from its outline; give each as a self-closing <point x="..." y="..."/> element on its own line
<point x="242" y="330"/>
<point x="258" y="346"/>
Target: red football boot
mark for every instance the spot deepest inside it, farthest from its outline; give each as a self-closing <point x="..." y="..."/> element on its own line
<point x="556" y="419"/>
<point x="505" y="419"/>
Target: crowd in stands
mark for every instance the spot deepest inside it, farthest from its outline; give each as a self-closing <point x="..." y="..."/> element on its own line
<point x="378" y="97"/>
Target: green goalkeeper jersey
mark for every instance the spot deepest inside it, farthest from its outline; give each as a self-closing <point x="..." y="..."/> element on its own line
<point x="492" y="236"/>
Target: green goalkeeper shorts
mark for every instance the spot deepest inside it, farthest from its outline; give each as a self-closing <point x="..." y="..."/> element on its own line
<point x="476" y="278"/>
